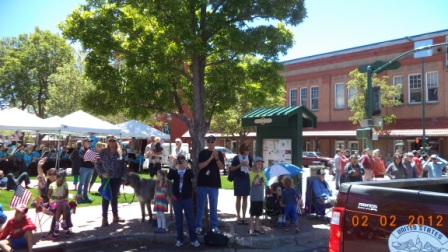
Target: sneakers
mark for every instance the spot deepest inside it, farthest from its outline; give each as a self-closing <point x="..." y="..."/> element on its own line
<point x="179" y="244"/>
<point x="198" y="231"/>
<point x="160" y="231"/>
<point x="51" y="236"/>
<point x="64" y="224"/>
<point x="56" y="229"/>
<point x="68" y="233"/>
<point x="87" y="199"/>
<point x="195" y="244"/>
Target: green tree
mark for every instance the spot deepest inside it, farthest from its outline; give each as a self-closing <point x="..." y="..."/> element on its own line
<point x="26" y="63"/>
<point x="255" y="95"/>
<point x="157" y="56"/>
<point x="389" y="96"/>
<point x="66" y="88"/>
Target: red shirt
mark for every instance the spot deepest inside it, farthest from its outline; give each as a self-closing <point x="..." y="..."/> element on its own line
<point x="418" y="165"/>
<point x="25" y="224"/>
<point x="365" y="161"/>
<point x="378" y="166"/>
<point x="344" y="161"/>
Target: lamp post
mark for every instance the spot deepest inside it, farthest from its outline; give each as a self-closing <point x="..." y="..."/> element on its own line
<point x="422" y="54"/>
<point x="168" y="118"/>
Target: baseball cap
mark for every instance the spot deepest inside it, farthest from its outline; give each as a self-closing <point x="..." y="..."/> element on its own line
<point x="258" y="159"/>
<point x="87" y="139"/>
<point x="180" y="158"/>
<point x="434" y="156"/>
<point x="22" y="208"/>
<point x="211" y="138"/>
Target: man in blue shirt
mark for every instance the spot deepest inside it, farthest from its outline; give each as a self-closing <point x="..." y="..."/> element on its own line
<point x="434" y="166"/>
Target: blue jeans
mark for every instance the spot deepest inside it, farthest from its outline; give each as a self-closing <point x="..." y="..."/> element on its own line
<point x="115" y="184"/>
<point x="201" y="196"/>
<point x="84" y="180"/>
<point x="13" y="183"/>
<point x="337" y="176"/>
<point x="184" y="206"/>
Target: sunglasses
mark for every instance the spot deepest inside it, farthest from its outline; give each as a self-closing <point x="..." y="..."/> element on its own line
<point x="210" y="141"/>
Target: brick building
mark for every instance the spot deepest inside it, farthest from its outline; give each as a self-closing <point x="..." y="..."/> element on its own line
<point x="319" y="82"/>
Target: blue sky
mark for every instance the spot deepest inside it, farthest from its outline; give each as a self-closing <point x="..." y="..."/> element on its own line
<point x="331" y="25"/>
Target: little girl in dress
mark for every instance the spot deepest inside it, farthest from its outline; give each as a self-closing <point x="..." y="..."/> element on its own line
<point x="161" y="201"/>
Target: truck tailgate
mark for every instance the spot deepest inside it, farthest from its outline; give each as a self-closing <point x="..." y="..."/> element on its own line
<point x="395" y="219"/>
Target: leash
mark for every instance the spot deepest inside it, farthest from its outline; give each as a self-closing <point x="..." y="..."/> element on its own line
<point x="125" y="198"/>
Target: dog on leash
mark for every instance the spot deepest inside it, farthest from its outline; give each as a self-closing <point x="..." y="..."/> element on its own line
<point x="144" y="189"/>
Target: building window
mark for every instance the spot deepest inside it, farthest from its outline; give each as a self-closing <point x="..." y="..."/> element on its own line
<point x="354" y="147"/>
<point x="433" y="87"/>
<point x="415" y="88"/>
<point x="340" y="97"/>
<point x="399" y="80"/>
<point x="314" y="96"/>
<point x="352" y="93"/>
<point x="303" y="95"/>
<point x="293" y="97"/>
<point x="340" y="144"/>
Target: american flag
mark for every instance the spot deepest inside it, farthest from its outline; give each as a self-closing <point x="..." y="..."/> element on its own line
<point x="21" y="196"/>
<point x="91" y="156"/>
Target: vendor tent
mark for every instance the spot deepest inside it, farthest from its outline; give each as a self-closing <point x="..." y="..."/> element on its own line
<point x="82" y="122"/>
<point x="17" y="119"/>
<point x="137" y="129"/>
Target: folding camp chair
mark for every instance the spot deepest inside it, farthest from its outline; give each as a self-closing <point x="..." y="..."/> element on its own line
<point x="314" y="205"/>
<point x="43" y="215"/>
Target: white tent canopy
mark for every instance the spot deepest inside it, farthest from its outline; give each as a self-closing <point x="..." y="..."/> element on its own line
<point x="17" y="119"/>
<point x="137" y="129"/>
<point x="82" y="122"/>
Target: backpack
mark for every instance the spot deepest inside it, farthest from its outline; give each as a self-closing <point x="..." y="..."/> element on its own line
<point x="216" y="239"/>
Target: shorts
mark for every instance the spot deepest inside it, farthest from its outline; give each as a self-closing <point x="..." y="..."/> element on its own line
<point x="18" y="242"/>
<point x="256" y="208"/>
<point x="55" y="204"/>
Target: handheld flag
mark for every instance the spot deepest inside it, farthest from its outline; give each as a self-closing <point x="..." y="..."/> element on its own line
<point x="21" y="196"/>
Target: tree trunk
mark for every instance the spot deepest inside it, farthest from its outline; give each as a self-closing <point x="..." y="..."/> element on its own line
<point x="199" y="126"/>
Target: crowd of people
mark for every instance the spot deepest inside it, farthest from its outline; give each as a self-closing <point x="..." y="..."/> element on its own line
<point x="371" y="166"/>
<point x="91" y="158"/>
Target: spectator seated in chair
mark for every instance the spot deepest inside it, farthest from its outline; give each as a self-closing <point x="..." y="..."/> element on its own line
<point x="18" y="232"/>
<point x="322" y="192"/>
<point x="274" y="208"/>
<point x="43" y="188"/>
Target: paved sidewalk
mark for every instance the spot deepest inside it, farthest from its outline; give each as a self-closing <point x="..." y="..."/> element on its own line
<point x="90" y="236"/>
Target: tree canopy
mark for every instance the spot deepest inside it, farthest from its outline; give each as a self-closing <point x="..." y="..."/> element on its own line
<point x="66" y="88"/>
<point x="389" y="96"/>
<point x="163" y="55"/>
<point x="26" y="63"/>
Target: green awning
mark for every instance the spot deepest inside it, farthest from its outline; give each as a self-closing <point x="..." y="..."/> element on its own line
<point x="279" y="117"/>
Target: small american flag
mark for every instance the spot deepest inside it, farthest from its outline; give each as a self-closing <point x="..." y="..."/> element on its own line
<point x="91" y="156"/>
<point x="21" y="196"/>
